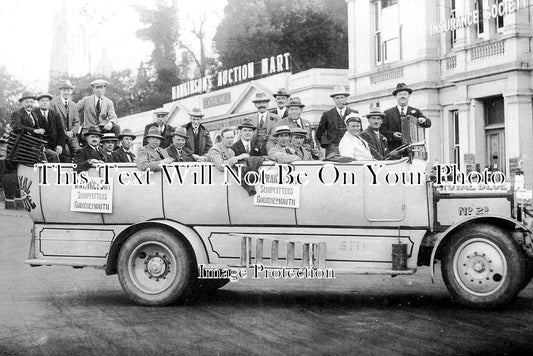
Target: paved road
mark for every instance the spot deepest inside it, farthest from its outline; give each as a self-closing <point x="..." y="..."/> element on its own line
<point x="63" y="311"/>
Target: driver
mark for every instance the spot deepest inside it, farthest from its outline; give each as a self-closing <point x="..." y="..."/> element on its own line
<point x="376" y="141"/>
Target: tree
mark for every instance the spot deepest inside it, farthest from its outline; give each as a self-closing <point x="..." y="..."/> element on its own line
<point x="10" y="90"/>
<point x="162" y="29"/>
<point x="314" y="32"/>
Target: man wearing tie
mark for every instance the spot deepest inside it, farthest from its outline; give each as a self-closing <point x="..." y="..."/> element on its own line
<point x="66" y="108"/>
<point x="160" y="121"/>
<point x="22" y="120"/>
<point x="97" y="110"/>
<point x="375" y="139"/>
<point x="51" y="123"/>
<point x="123" y="153"/>
<point x="176" y="151"/>
<point x="246" y="144"/>
<point x="265" y="122"/>
<point x="332" y="127"/>
<point x="91" y="154"/>
<point x="397" y="123"/>
<point x="282" y="152"/>
<point x="281" y="98"/>
<point x="151" y="156"/>
<point x="198" y="138"/>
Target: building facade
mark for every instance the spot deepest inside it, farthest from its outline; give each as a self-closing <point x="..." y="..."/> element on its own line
<point x="469" y="63"/>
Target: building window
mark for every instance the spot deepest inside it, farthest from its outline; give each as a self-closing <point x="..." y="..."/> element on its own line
<point x="479" y="9"/>
<point x="453" y="15"/>
<point x="455" y="129"/>
<point x="499" y="19"/>
<point x="495" y="132"/>
<point x="377" y="33"/>
<point x="386" y="31"/>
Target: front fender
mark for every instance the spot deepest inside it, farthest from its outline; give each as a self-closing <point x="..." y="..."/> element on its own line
<point x="497" y="220"/>
<point x="195" y="242"/>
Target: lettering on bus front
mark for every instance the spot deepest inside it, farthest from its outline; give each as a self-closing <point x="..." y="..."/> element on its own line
<point x="473" y="210"/>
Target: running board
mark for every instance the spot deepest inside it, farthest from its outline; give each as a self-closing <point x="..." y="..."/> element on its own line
<point x="67" y="261"/>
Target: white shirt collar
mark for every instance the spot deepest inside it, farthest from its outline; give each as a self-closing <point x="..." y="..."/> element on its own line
<point x="400" y="109"/>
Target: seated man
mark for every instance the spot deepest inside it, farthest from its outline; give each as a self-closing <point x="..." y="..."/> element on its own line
<point x="151" y="156"/>
<point x="175" y="150"/>
<point x="351" y="144"/>
<point x="376" y="141"/>
<point x="298" y="136"/>
<point x="282" y="152"/>
<point x="54" y="132"/>
<point x="90" y="155"/>
<point x="221" y="153"/>
<point x="108" y="142"/>
<point x="123" y="153"/>
<point x="246" y="144"/>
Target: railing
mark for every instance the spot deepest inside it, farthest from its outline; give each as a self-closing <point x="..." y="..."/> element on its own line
<point x="487" y="51"/>
<point x="451" y="62"/>
<point x="386" y="75"/>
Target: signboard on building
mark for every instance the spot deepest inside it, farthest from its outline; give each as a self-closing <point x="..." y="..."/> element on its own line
<point x="216" y="100"/>
<point x="233" y="76"/>
<point x="92" y="197"/>
<point x="493" y="11"/>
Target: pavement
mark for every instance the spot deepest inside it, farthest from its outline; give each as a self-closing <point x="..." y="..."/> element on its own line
<point x="66" y="311"/>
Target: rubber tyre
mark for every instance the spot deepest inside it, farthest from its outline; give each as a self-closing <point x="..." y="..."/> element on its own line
<point x="208" y="286"/>
<point x="171" y="256"/>
<point x="502" y="277"/>
<point x="528" y="274"/>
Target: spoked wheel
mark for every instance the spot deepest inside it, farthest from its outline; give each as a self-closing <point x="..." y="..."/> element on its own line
<point x="483" y="266"/>
<point x="155" y="268"/>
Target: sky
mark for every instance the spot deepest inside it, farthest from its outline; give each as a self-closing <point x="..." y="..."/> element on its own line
<point x="26" y="33"/>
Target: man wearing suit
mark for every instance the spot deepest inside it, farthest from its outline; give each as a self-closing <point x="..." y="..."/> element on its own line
<point x="91" y="154"/>
<point x="396" y="123"/>
<point x="375" y="139"/>
<point x="123" y="153"/>
<point x="282" y="152"/>
<point x="66" y="108"/>
<point x="281" y="98"/>
<point x="22" y="120"/>
<point x="198" y="138"/>
<point x="221" y="153"/>
<point x="331" y="128"/>
<point x="108" y="142"/>
<point x="54" y="132"/>
<point x="97" y="110"/>
<point x="246" y="144"/>
<point x="176" y="151"/>
<point x="160" y="121"/>
<point x="152" y="156"/>
<point x="298" y="136"/>
<point x="265" y="122"/>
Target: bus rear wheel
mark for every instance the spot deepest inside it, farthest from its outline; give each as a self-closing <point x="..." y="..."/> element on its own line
<point x="482" y="266"/>
<point x="155" y="268"/>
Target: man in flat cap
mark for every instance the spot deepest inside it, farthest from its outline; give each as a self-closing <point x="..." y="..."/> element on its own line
<point x="66" y="108"/>
<point x="281" y="97"/>
<point x="282" y="152"/>
<point x="246" y="143"/>
<point x="160" y="116"/>
<point x="298" y="136"/>
<point x="221" y="153"/>
<point x="108" y="142"/>
<point x="176" y="151"/>
<point x="265" y="122"/>
<point x="331" y="127"/>
<point x="98" y="110"/>
<point x="51" y="123"/>
<point x="398" y="120"/>
<point x="352" y="145"/>
<point x="152" y="156"/>
<point x="123" y="153"/>
<point x="198" y="138"/>
<point x="90" y="155"/>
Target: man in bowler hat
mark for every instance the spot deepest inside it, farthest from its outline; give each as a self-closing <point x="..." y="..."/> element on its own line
<point x="90" y="155"/>
<point x="51" y="123"/>
<point x="176" y="151"/>
<point x="123" y="153"/>
<point x="246" y="144"/>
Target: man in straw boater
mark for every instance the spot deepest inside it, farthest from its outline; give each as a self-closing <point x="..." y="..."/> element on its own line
<point x="151" y="156"/>
<point x="246" y="143"/>
<point x="66" y="108"/>
<point x="282" y="152"/>
<point x="160" y="121"/>
<point x="176" y="150"/>
<point x="198" y="138"/>
<point x="375" y="139"/>
<point x="123" y="153"/>
<point x="331" y="127"/>
<point x="51" y="123"/>
<point x="281" y="97"/>
<point x="298" y="136"/>
<point x="108" y="142"/>
<point x="265" y="122"/>
<point x="221" y="153"/>
<point x="397" y="120"/>
<point x="352" y="145"/>
<point x="98" y="110"/>
<point x="91" y="154"/>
